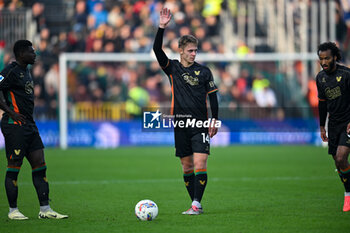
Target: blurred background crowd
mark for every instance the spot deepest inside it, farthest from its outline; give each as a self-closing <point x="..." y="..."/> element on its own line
<point x="246" y="89"/>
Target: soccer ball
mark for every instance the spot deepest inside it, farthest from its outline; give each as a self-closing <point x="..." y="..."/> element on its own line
<point x="146" y="210"/>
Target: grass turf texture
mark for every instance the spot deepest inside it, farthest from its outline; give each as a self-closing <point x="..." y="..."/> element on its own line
<point x="250" y="189"/>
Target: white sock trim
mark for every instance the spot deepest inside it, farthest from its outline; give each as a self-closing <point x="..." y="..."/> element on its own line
<point x="196" y="204"/>
<point x="13" y="209"/>
<point x="44" y="208"/>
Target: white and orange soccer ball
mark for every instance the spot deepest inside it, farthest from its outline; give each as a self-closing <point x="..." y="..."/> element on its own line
<point x="146" y="210"/>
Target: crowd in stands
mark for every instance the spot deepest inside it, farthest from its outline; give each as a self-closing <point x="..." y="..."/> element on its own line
<point x="130" y="26"/>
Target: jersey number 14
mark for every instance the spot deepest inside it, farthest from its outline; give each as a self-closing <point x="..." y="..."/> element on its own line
<point x="205" y="137"/>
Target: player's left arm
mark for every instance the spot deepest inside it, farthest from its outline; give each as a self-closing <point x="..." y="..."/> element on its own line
<point x="347" y="82"/>
<point x="214" y="106"/>
<point x="213" y="99"/>
<point x="6" y="79"/>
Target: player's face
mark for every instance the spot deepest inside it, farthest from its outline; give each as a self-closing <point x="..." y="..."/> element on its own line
<point x="188" y="53"/>
<point x="28" y="56"/>
<point x="327" y="60"/>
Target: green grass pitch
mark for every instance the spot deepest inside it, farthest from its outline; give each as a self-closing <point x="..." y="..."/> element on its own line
<point x="250" y="189"/>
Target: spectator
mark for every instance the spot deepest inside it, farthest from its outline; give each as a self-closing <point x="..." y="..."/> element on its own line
<point x="80" y="16"/>
<point x="266" y="98"/>
<point x="99" y="14"/>
<point x="51" y="79"/>
<point x="38" y="15"/>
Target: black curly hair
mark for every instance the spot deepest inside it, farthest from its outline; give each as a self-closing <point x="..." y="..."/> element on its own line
<point x="330" y="46"/>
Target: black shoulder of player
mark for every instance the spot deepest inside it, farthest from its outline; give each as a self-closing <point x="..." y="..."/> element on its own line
<point x="10" y="67"/>
<point x="204" y="68"/>
<point x="343" y="68"/>
<point x="320" y="74"/>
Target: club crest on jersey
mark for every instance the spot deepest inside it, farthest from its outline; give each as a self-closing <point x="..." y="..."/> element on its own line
<point x="197" y="72"/>
<point x="338" y="79"/>
<point x="193" y="81"/>
<point x="1" y="77"/>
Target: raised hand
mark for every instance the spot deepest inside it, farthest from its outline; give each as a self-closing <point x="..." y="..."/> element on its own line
<point x="164" y="17"/>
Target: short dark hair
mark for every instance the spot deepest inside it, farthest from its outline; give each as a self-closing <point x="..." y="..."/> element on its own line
<point x="21" y="46"/>
<point x="330" y="46"/>
<point x="187" y="39"/>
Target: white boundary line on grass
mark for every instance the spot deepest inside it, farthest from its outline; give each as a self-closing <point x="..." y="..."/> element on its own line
<point x="125" y="181"/>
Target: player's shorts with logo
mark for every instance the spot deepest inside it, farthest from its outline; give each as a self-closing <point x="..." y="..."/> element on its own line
<point x="191" y="140"/>
<point x="20" y="140"/>
<point x="337" y="136"/>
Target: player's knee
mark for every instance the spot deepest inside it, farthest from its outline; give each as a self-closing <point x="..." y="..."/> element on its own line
<point x="37" y="161"/>
<point x="200" y="164"/>
<point x="14" y="163"/>
<point x="38" y="164"/>
<point x="187" y="168"/>
<point x="340" y="162"/>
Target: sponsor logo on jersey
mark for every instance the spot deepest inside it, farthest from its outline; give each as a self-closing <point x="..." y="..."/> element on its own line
<point x="193" y="81"/>
<point x="21" y="75"/>
<point x="332" y="93"/>
<point x="29" y="87"/>
<point x="1" y="78"/>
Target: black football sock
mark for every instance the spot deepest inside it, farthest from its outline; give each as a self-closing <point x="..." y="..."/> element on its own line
<point x="41" y="185"/>
<point x="11" y="186"/>
<point x="200" y="182"/>
<point x="189" y="182"/>
<point x="345" y="178"/>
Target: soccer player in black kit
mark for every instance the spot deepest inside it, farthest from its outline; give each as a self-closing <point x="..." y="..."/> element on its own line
<point x="21" y="134"/>
<point x="333" y="85"/>
<point x="191" y="83"/>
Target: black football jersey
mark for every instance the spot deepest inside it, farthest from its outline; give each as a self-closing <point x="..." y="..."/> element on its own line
<point x="334" y="88"/>
<point x="17" y="86"/>
<point x="190" y="87"/>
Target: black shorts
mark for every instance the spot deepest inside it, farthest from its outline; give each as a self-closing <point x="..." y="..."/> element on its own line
<point x="20" y="140"/>
<point x="189" y="141"/>
<point x="337" y="136"/>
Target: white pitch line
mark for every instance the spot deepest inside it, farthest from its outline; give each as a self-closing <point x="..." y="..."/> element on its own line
<point x="230" y="179"/>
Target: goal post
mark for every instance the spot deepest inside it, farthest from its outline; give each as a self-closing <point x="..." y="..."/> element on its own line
<point x="64" y="58"/>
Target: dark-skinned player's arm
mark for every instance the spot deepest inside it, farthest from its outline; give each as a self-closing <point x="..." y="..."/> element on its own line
<point x="164" y="19"/>
<point x="214" y="106"/>
<point x="322" y="109"/>
<point x="322" y="112"/>
<point x="17" y="117"/>
<point x="5" y="84"/>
